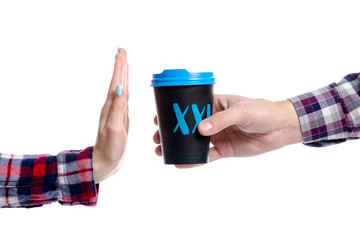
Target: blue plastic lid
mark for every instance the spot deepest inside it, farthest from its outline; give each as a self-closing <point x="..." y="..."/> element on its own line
<point x="182" y="77"/>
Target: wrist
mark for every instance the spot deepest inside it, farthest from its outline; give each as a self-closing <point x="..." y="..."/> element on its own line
<point x="101" y="169"/>
<point x="289" y="123"/>
<point x="97" y="169"/>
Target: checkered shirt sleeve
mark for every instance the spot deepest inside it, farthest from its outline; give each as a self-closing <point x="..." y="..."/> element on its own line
<point x="35" y="180"/>
<point x="331" y="114"/>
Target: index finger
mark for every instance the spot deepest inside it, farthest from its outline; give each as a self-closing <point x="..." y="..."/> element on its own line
<point x="156" y="120"/>
<point x="117" y="79"/>
<point x="119" y="72"/>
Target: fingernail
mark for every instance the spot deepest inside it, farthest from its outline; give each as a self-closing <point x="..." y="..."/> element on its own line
<point x="118" y="91"/>
<point x="206" y="126"/>
<point x="118" y="50"/>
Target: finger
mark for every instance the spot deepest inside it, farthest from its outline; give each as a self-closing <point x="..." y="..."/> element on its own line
<point x="120" y="60"/>
<point x="126" y="81"/>
<point x="119" y="70"/>
<point x="127" y="122"/>
<point x="156" y="137"/>
<point x="216" y="123"/>
<point x="117" y="114"/>
<point x="156" y="120"/>
<point x="117" y="111"/>
<point x="118" y="74"/>
<point x="185" y="166"/>
<point x="126" y="92"/>
<point x="158" y="151"/>
<point x="236" y="114"/>
<point x="214" y="154"/>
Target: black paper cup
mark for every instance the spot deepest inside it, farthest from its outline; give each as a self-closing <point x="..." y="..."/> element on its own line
<point x="183" y="100"/>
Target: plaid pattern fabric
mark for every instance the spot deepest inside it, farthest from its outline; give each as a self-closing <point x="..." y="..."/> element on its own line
<point x="331" y="114"/>
<point x="35" y="180"/>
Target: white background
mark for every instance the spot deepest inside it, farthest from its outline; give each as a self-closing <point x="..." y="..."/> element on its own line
<point x="56" y="62"/>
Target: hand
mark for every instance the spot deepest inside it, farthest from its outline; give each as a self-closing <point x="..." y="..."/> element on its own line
<point x="109" y="150"/>
<point x="242" y="127"/>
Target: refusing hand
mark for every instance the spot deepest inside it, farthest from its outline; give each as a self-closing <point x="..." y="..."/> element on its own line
<point x="110" y="146"/>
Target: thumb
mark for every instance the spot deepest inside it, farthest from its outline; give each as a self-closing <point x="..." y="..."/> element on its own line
<point x="218" y="122"/>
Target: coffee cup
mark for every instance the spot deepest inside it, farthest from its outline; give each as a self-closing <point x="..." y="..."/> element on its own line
<point x="183" y="99"/>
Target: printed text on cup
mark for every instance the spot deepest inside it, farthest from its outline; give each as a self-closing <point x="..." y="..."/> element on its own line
<point x="180" y="116"/>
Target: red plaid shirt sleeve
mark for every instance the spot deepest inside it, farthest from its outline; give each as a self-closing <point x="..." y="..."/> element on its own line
<point x="331" y="114"/>
<point x="35" y="180"/>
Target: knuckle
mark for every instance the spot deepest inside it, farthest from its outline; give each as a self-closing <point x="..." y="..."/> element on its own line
<point x="242" y="113"/>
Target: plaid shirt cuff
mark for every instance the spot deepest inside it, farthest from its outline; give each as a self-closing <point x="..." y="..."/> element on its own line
<point x="75" y="178"/>
<point x="331" y="114"/>
<point x="35" y="180"/>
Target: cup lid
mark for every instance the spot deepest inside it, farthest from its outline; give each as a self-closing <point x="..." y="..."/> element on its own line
<point x="182" y="77"/>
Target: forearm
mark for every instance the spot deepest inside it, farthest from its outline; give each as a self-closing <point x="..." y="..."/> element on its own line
<point x="330" y="114"/>
<point x="34" y="180"/>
